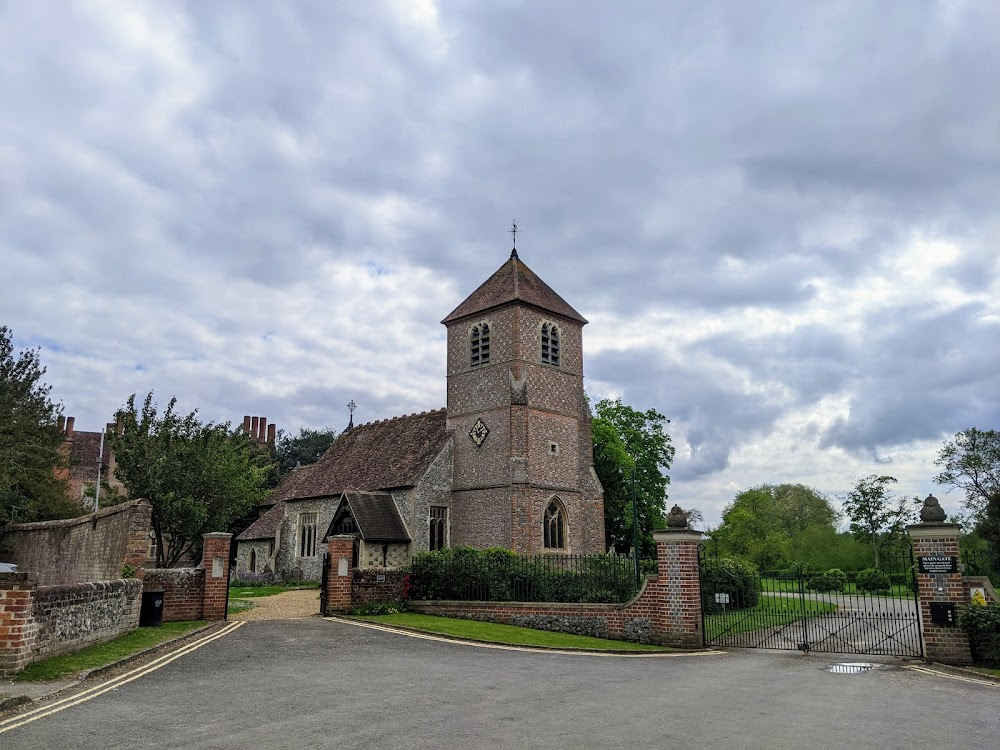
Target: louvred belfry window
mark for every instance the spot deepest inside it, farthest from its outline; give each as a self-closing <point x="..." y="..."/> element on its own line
<point x="550" y="344"/>
<point x="479" y="342"/>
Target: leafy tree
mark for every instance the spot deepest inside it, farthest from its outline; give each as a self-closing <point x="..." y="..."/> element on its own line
<point x="303" y="449"/>
<point x="198" y="477"/>
<point x="30" y="441"/>
<point x="877" y="517"/>
<point x="626" y="438"/>
<point x="989" y="528"/>
<point x="971" y="462"/>
<point x="763" y="524"/>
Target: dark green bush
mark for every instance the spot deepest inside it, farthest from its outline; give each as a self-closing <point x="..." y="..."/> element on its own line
<point x="982" y="625"/>
<point x="872" y="581"/>
<point x="727" y="576"/>
<point x="499" y="575"/>
<point x="832" y="580"/>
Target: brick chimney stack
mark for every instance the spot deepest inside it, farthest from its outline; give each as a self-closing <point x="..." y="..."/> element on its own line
<point x="258" y="428"/>
<point x="70" y="424"/>
<point x="61" y="422"/>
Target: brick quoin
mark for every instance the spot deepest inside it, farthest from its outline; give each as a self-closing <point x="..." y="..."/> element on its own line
<point x="942" y="643"/>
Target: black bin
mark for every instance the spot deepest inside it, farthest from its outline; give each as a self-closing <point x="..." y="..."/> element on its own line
<point x="151" y="613"/>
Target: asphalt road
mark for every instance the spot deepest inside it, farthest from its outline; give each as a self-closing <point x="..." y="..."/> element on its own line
<point x="322" y="684"/>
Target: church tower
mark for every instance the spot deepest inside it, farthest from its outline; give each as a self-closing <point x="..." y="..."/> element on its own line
<point x="523" y="452"/>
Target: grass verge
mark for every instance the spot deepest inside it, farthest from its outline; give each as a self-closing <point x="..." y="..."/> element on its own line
<point x="986" y="670"/>
<point x="770" y="612"/>
<point x="106" y="653"/>
<point x="510" y="635"/>
<point x="250" y="592"/>
<point x="239" y="605"/>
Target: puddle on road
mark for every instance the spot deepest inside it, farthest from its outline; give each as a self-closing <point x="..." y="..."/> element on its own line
<point x="854" y="667"/>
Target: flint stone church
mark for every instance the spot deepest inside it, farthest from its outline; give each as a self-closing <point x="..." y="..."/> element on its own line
<point x="508" y="463"/>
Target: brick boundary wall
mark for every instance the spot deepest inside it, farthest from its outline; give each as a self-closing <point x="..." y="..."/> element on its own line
<point x="88" y="548"/>
<point x="367" y="589"/>
<point x="666" y="611"/>
<point x="37" y="622"/>
<point x="942" y="643"/>
<point x="182" y="590"/>
<point x="200" y="593"/>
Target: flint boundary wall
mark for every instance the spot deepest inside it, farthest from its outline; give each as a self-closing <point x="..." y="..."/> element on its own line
<point x="37" y="622"/>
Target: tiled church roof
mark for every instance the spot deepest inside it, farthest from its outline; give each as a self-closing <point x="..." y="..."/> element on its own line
<point x="514" y="281"/>
<point x="377" y="516"/>
<point x="267" y="525"/>
<point x="377" y="456"/>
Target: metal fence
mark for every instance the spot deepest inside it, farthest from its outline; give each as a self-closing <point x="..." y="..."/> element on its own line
<point x="980" y="563"/>
<point x="504" y="577"/>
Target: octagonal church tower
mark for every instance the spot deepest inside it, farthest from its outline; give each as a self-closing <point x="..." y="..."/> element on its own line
<point x="523" y="452"/>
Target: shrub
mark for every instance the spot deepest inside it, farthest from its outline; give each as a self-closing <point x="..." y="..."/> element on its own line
<point x="378" y="608"/>
<point x="497" y="574"/>
<point x="727" y="576"/>
<point x="872" y="580"/>
<point x="982" y="625"/>
<point x="832" y="580"/>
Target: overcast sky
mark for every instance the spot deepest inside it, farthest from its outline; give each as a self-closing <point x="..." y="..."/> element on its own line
<point x="781" y="218"/>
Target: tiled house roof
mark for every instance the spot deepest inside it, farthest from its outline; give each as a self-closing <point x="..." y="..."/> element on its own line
<point x="377" y="516"/>
<point x="267" y="525"/>
<point x="376" y="456"/>
<point x="514" y="281"/>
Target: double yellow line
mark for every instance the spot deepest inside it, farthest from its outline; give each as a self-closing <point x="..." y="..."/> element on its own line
<point x="61" y="705"/>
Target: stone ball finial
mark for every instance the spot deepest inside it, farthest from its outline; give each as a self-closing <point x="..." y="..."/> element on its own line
<point x="932" y="512"/>
<point x="677" y="518"/>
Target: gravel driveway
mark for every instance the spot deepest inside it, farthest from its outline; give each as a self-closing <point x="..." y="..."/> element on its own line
<point x="288" y="605"/>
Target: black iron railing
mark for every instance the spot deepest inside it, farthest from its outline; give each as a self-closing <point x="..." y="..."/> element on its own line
<point x="499" y="576"/>
<point x="980" y="563"/>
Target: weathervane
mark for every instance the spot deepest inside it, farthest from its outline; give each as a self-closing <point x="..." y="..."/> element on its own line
<point x="513" y="232"/>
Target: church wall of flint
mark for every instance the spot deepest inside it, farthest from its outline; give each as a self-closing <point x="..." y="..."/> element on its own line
<point x="433" y="488"/>
<point x="287" y="559"/>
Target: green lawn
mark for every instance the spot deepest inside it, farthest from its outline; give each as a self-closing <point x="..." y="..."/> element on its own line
<point x="791" y="585"/>
<point x="770" y="611"/>
<point x="506" y="634"/>
<point x="106" y="653"/>
<point x="239" y="605"/>
<point x="250" y="592"/>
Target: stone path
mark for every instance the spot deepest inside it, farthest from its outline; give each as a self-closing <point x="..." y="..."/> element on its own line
<point x="288" y="605"/>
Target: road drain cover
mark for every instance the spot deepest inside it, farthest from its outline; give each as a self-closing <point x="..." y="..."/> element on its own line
<point x="855" y="667"/>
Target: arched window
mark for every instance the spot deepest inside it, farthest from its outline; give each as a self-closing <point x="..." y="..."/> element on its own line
<point x="550" y="344"/>
<point x="554" y="526"/>
<point x="252" y="565"/>
<point x="479" y="344"/>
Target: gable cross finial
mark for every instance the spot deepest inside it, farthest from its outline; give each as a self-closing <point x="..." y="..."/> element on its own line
<point x="513" y="232"/>
<point x="351" y="406"/>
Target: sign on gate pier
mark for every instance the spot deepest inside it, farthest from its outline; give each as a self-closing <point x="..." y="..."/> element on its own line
<point x="937" y="564"/>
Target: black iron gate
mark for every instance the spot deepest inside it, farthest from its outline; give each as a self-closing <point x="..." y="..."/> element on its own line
<point x="324" y="577"/>
<point x="869" y="612"/>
